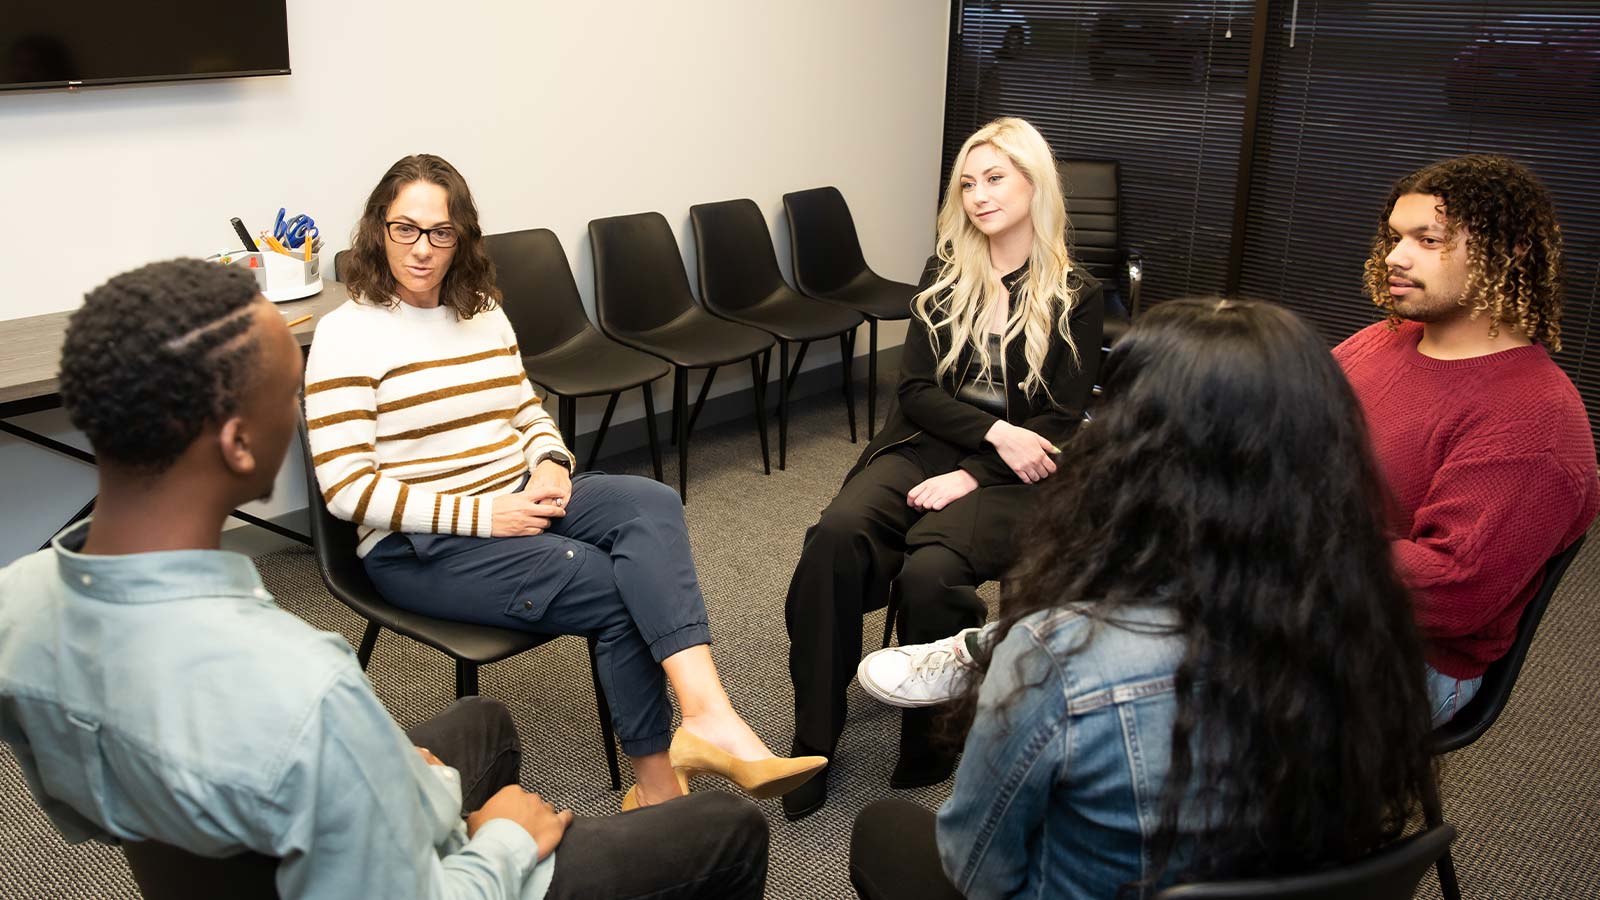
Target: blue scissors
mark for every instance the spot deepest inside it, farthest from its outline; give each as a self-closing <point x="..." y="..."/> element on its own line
<point x="294" y="232"/>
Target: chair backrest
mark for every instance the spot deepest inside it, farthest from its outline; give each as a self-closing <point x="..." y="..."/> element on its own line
<point x="338" y="264"/>
<point x="822" y="237"/>
<point x="738" y="267"/>
<point x="1474" y="719"/>
<point x="639" y="281"/>
<point x="1093" y="215"/>
<point x="541" y="297"/>
<point x="1392" y="873"/>
<point x="164" y="872"/>
<point x="333" y="541"/>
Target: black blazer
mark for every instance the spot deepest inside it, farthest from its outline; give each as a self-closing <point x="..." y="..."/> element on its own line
<point x="948" y="433"/>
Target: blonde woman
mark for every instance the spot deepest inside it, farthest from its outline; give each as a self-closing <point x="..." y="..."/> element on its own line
<point x="998" y="363"/>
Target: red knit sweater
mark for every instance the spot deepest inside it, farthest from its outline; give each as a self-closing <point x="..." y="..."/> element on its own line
<point x="1490" y="467"/>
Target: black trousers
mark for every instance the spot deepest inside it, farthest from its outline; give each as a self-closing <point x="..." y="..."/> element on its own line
<point x="867" y="540"/>
<point x="710" y="844"/>
<point x="894" y="854"/>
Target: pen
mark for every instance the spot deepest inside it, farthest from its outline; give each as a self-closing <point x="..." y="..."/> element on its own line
<point x="244" y="235"/>
<point x="304" y="318"/>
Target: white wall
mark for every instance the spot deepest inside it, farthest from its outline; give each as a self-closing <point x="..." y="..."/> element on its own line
<point x="557" y="113"/>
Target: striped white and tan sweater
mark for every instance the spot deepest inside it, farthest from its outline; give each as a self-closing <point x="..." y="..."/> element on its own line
<point x="417" y="419"/>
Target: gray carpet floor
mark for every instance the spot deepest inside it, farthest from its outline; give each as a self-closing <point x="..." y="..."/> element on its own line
<point x="1526" y="797"/>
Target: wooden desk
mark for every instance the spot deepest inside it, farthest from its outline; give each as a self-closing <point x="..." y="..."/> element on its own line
<point x="30" y="357"/>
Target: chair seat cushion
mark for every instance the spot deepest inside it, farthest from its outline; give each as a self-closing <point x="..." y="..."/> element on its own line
<point x="876" y="297"/>
<point x="792" y="316"/>
<point x="696" y="339"/>
<point x="591" y="364"/>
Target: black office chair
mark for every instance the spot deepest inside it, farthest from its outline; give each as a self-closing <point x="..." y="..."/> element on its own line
<point x="1391" y="873"/>
<point x="1094" y="217"/>
<point x="740" y="281"/>
<point x="561" y="350"/>
<point x="828" y="265"/>
<point x="1485" y="707"/>
<point x="642" y="298"/>
<point x="164" y="872"/>
<point x="334" y="543"/>
<point x="338" y="264"/>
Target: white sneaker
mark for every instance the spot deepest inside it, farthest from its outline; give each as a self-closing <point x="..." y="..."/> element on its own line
<point x="919" y="674"/>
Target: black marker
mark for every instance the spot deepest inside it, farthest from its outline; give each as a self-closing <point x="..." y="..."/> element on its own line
<point x="244" y="235"/>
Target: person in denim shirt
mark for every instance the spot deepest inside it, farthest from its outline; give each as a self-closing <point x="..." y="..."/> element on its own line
<point x="1207" y="666"/>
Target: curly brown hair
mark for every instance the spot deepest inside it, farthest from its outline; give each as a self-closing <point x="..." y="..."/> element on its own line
<point x="469" y="286"/>
<point x="1513" y="242"/>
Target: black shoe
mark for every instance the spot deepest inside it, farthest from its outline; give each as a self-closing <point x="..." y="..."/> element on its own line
<point x="807" y="798"/>
<point x="926" y="755"/>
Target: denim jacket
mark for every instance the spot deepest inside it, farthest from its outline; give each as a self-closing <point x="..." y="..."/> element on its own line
<point x="1058" y="793"/>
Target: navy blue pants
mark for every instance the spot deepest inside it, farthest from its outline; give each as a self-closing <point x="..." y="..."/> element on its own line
<point x="617" y="567"/>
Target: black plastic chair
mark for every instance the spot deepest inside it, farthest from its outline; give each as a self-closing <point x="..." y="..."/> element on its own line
<point x="642" y="298"/>
<point x="164" y="872"/>
<point x="561" y="350"/>
<point x="740" y="281"/>
<point x="334" y="543"/>
<point x="1485" y="707"/>
<point x="1392" y="873"/>
<point x="828" y="265"/>
<point x="1094" y="217"/>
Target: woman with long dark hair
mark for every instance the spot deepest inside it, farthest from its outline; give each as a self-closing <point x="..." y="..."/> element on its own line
<point x="998" y="364"/>
<point x="1205" y="664"/>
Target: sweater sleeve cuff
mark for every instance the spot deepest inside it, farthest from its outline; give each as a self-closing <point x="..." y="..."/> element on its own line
<point x="505" y="838"/>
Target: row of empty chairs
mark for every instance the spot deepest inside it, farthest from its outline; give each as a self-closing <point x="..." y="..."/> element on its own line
<point x="650" y="322"/>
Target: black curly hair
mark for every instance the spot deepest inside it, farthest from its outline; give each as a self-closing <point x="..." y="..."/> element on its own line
<point x="1513" y="242"/>
<point x="1227" y="478"/>
<point x="156" y="354"/>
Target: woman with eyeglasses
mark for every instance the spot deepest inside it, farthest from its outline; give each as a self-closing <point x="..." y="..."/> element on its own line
<point x="426" y="434"/>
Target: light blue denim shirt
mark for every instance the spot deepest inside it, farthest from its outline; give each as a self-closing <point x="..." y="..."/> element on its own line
<point x="165" y="696"/>
<point x="1058" y="792"/>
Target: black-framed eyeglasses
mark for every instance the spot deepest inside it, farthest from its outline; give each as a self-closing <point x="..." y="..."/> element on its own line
<point x="442" y="236"/>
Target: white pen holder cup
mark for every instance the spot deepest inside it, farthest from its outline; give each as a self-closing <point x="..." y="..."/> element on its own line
<point x="281" y="278"/>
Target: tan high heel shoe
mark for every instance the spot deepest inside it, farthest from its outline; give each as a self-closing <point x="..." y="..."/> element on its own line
<point x="630" y="800"/>
<point x="760" y="778"/>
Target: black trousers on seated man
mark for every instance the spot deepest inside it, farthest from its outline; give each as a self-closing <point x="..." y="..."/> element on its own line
<point x="705" y="845"/>
<point x="867" y="538"/>
<point x="894" y="854"/>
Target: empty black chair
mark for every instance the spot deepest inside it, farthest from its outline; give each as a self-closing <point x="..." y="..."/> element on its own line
<point x="338" y="264"/>
<point x="1485" y="707"/>
<point x="1391" y="873"/>
<point x="740" y="281"/>
<point x="642" y="298"/>
<point x="1094" y="217"/>
<point x="828" y="264"/>
<point x="164" y="872"/>
<point x="561" y="350"/>
<point x="334" y="543"/>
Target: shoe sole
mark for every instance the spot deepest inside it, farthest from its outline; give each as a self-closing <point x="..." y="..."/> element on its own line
<point x="883" y="695"/>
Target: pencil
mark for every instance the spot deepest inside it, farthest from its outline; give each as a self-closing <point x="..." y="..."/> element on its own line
<point x="304" y="318"/>
<point x="308" y="250"/>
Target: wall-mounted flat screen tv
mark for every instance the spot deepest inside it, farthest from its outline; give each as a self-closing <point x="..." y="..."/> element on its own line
<point x="53" y="44"/>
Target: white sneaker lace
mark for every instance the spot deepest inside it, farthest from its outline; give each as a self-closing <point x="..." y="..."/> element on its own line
<point x="928" y="666"/>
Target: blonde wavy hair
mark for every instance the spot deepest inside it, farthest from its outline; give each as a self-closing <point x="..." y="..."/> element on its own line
<point x="963" y="293"/>
<point x="1513" y="243"/>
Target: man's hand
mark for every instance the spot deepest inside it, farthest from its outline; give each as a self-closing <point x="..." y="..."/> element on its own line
<point x="519" y="514"/>
<point x="551" y="483"/>
<point x="527" y="809"/>
<point x="1026" y="452"/>
<point x="428" y="757"/>
<point x="941" y="490"/>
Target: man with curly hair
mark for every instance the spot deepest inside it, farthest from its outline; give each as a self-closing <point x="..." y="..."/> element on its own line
<point x="1483" y="441"/>
<point x="152" y="690"/>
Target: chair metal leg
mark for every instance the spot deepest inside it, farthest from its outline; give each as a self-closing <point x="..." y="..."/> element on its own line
<point x="369" y="640"/>
<point x="872" y="377"/>
<point x="680" y="418"/>
<point x="466" y="678"/>
<point x="847" y="354"/>
<point x="650" y="429"/>
<point x="567" y="413"/>
<point x="700" y="400"/>
<point x="794" y="371"/>
<point x="1433" y="815"/>
<point x="889" y="612"/>
<point x="759" y="364"/>
<point x="600" y="436"/>
<point x="602" y="708"/>
<point x="783" y="403"/>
